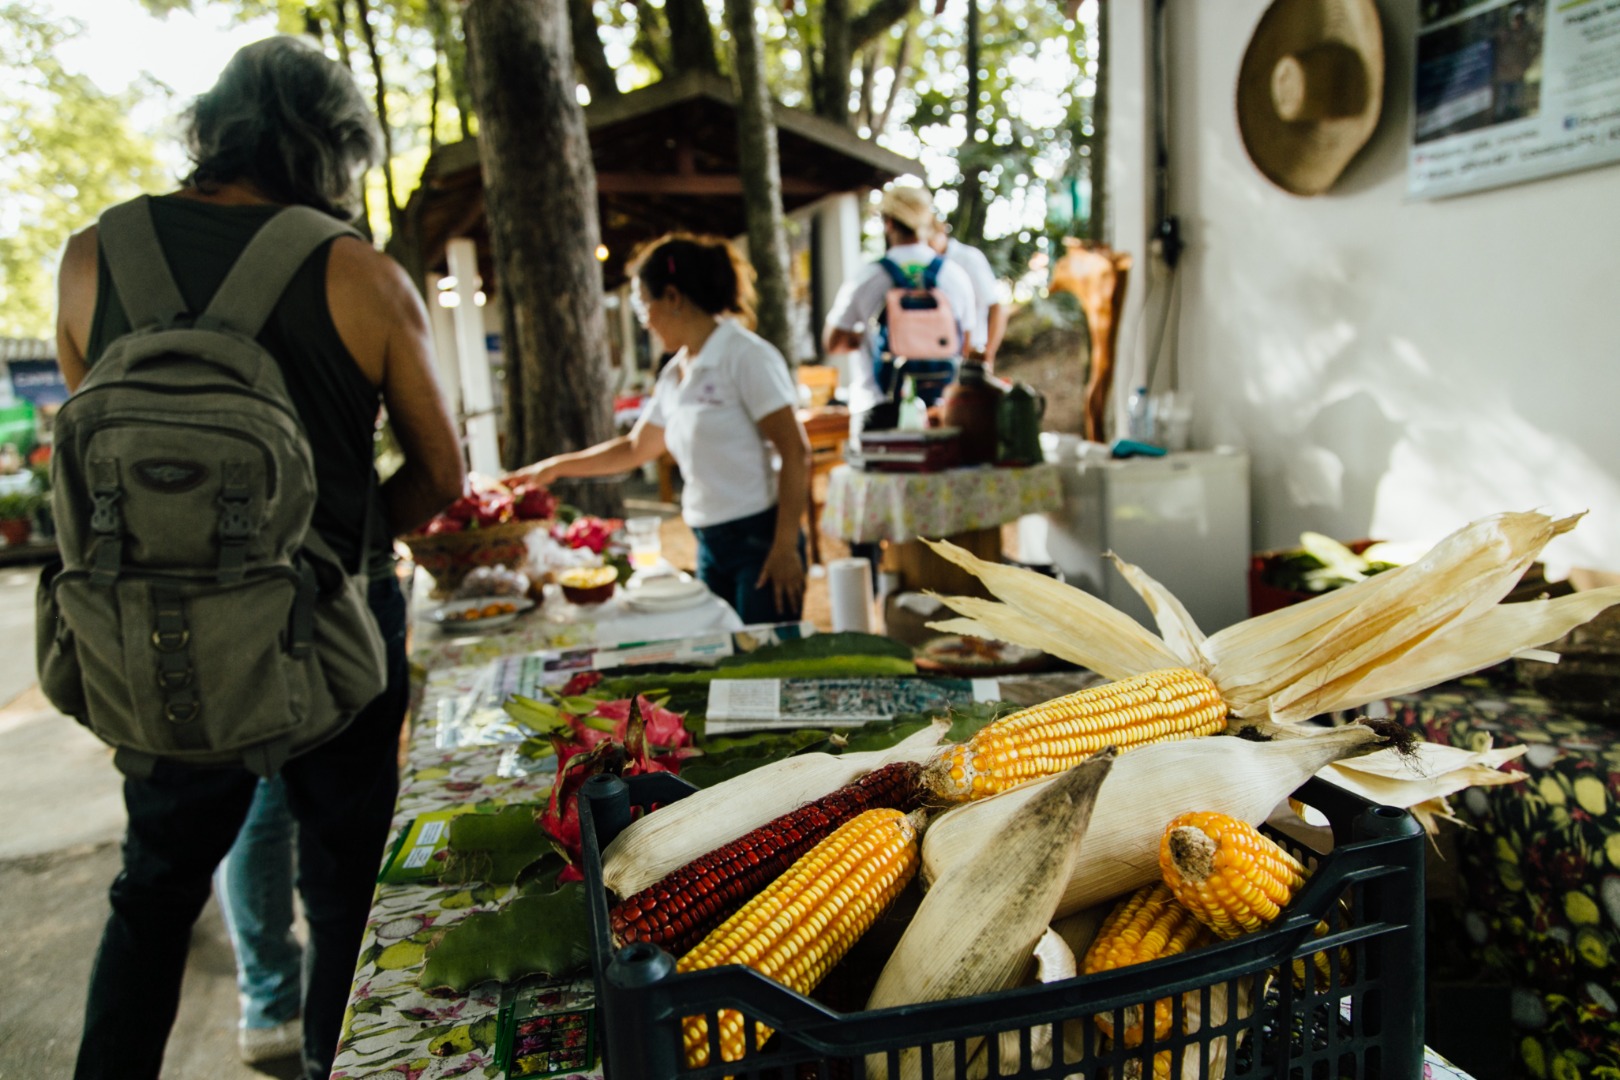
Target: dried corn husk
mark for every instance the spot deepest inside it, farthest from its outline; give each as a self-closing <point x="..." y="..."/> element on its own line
<point x="1146" y="788"/>
<point x="1078" y="929"/>
<point x="1045" y="614"/>
<point x="979" y="923"/>
<point x="1052" y="962"/>
<point x="1401" y="630"/>
<point x="1216" y="1050"/>
<point x="1175" y="623"/>
<point x="1421" y="786"/>
<point x="659" y="843"/>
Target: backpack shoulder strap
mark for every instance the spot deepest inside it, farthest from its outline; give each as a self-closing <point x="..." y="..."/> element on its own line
<point x="261" y="273"/>
<point x="898" y="276"/>
<point x="931" y="274"/>
<point x="140" y="272"/>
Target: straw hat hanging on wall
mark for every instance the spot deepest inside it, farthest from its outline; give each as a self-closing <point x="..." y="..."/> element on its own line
<point x="1310" y="89"/>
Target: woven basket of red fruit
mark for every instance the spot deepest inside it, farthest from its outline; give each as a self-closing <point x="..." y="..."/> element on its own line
<point x="486" y="528"/>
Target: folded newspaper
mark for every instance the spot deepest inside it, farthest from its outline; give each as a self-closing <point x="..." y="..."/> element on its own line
<point x="783" y="704"/>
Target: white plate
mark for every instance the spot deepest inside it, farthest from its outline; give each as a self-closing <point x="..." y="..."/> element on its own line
<point x="665" y="587"/>
<point x="446" y="620"/>
<point x="654" y="604"/>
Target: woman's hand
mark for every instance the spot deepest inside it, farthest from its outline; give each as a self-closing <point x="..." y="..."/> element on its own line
<point x="544" y="473"/>
<point x="784" y="572"/>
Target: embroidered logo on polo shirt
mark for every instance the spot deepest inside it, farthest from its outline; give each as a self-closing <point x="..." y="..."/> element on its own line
<point x="709" y="394"/>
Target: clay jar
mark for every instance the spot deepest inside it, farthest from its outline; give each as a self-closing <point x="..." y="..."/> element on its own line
<point x="971" y="404"/>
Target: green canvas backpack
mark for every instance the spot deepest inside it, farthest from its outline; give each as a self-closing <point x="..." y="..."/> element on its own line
<point x="194" y="614"/>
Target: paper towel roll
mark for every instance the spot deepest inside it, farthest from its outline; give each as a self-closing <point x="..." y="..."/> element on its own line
<point x="849" y="588"/>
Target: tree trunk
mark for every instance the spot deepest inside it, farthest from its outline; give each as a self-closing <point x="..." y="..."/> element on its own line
<point x="969" y="217"/>
<point x="594" y="70"/>
<point x="368" y="34"/>
<point x="902" y="65"/>
<point x="540" y="204"/>
<point x="877" y="18"/>
<point x="837" y="56"/>
<point x="691" y="38"/>
<point x="1096" y="163"/>
<point x="761" y="178"/>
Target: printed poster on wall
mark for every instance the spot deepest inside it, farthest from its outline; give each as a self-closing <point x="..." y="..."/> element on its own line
<point x="1512" y="90"/>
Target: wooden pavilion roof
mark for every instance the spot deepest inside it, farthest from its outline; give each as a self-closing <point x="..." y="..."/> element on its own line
<point x="666" y="158"/>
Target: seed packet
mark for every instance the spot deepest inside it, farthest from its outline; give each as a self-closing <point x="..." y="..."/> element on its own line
<point x="548" y="1028"/>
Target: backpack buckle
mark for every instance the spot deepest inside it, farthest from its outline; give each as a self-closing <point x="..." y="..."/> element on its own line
<point x="105" y="518"/>
<point x="170" y="640"/>
<point x="235" y="522"/>
<point x="175" y="680"/>
<point x="181" y="712"/>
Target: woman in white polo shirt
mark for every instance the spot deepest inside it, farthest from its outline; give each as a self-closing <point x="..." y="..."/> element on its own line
<point x="722" y="404"/>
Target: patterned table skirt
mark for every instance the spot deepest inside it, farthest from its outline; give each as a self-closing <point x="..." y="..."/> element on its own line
<point x="1540" y="869"/>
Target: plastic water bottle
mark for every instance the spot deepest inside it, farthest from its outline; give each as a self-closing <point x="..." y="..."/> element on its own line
<point x="1139" y="416"/>
<point x="913" y="413"/>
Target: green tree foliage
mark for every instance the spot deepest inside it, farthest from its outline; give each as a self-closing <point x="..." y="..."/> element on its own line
<point x="1028" y="151"/>
<point x="71" y="152"/>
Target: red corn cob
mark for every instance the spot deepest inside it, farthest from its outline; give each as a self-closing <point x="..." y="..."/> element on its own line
<point x="678" y="911"/>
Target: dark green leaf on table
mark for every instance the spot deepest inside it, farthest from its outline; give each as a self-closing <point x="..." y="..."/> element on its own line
<point x="538" y="934"/>
<point x="821" y="646"/>
<point x="493" y="847"/>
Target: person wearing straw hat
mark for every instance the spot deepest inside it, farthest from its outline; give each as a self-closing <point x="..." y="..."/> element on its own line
<point x="1309" y="90"/>
<point x="908" y="221"/>
<point x="989" y="316"/>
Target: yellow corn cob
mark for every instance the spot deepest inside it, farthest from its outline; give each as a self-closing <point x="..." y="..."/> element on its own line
<point x="1157" y="706"/>
<point x="1228" y="875"/>
<point x="1234" y="879"/>
<point x="806" y="920"/>
<point x="1149" y="924"/>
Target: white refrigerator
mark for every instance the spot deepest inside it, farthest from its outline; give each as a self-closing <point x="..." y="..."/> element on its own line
<point x="1183" y="518"/>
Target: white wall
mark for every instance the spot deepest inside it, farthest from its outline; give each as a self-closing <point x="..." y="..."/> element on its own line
<point x="1395" y="367"/>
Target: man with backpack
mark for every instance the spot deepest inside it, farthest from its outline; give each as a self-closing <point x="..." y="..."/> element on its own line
<point x="922" y="305"/>
<point x="226" y="609"/>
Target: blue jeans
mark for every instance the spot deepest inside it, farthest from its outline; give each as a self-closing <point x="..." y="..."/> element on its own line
<point x="729" y="558"/>
<point x="930" y="376"/>
<point x="254" y="886"/>
<point x="182" y="822"/>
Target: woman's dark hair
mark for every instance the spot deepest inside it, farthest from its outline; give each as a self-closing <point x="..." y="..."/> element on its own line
<point x="706" y="270"/>
<point x="289" y="121"/>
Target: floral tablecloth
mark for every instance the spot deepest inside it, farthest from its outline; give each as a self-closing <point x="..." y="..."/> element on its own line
<point x="392" y="1029"/>
<point x="865" y="507"/>
<point x="1540" y="870"/>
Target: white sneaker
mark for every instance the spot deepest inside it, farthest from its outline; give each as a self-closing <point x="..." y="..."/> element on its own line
<point x="270" y="1044"/>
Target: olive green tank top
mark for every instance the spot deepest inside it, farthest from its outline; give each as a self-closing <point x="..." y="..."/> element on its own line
<point x="337" y="404"/>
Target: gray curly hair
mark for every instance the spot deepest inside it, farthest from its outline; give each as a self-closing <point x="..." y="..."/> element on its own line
<point x="288" y="120"/>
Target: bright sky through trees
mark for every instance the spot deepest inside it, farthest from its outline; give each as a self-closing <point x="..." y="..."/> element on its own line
<point x="184" y="52"/>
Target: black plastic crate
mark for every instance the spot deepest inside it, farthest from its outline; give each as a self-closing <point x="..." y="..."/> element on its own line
<point x="1362" y="1021"/>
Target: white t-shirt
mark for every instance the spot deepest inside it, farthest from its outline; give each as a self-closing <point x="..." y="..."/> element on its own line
<point x="986" y="290"/>
<point x="710" y="421"/>
<point x="862" y="298"/>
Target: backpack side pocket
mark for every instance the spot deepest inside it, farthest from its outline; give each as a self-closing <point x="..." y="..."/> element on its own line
<point x="348" y="642"/>
<point x="56" y="656"/>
